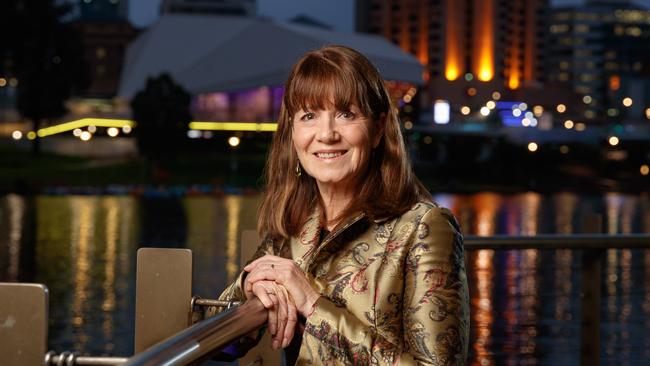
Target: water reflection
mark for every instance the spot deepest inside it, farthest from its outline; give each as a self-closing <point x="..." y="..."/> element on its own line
<point x="565" y="208"/>
<point x="524" y="304"/>
<point x="16" y="211"/>
<point x="485" y="206"/>
<point x="233" y="209"/>
<point x="111" y="207"/>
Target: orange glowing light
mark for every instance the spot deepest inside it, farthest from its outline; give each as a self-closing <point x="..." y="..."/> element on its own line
<point x="451" y="73"/>
<point x="513" y="81"/>
<point x="423" y="34"/>
<point x="454" y="43"/>
<point x="614" y="82"/>
<point x="485" y="74"/>
<point x="483" y="42"/>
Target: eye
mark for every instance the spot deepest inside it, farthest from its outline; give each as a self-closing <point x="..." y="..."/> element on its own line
<point x="307" y="116"/>
<point x="348" y="115"/>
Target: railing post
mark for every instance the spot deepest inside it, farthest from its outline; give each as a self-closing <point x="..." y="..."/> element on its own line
<point x="163" y="294"/>
<point x="591" y="296"/>
<point x="23" y="323"/>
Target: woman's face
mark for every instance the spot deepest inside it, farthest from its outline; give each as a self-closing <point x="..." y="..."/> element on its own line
<point x="333" y="146"/>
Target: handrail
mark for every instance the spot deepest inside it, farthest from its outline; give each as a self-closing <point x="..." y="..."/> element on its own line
<point x="70" y="358"/>
<point x="203" y="339"/>
<point x="555" y="241"/>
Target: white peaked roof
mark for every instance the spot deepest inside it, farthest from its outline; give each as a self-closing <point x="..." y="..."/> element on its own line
<point x="208" y="53"/>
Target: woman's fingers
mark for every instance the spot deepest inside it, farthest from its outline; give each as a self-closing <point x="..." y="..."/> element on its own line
<point x="292" y="320"/>
<point x="267" y="295"/>
<point x="252" y="265"/>
<point x="282" y="314"/>
<point x="286" y="273"/>
<point x="268" y="261"/>
<point x="263" y="274"/>
<point x="259" y="290"/>
<point x="281" y="317"/>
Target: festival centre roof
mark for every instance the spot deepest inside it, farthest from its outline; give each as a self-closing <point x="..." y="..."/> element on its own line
<point x="208" y="53"/>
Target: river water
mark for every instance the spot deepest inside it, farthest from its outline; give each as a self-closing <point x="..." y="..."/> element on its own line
<point x="525" y="305"/>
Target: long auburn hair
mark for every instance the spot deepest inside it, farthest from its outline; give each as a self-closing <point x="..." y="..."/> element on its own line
<point x="339" y="76"/>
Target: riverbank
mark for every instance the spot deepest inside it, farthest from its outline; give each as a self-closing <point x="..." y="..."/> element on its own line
<point x="210" y="172"/>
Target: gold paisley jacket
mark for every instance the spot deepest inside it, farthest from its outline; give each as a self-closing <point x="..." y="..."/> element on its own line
<point x="394" y="292"/>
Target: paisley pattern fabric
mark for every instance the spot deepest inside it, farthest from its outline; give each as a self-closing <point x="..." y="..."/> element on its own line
<point x="394" y="291"/>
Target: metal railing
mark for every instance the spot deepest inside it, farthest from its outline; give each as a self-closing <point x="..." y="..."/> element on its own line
<point x="552" y="241"/>
<point x="204" y="339"/>
<point x="594" y="247"/>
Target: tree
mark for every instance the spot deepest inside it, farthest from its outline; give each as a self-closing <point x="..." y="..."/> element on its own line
<point x="162" y="114"/>
<point x="44" y="54"/>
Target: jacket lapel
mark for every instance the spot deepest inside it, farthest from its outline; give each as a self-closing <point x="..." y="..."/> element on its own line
<point x="348" y="230"/>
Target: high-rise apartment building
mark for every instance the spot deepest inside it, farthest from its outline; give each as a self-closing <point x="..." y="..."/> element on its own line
<point x="470" y="48"/>
<point x="602" y="51"/>
<point x="221" y="7"/>
<point x="105" y="33"/>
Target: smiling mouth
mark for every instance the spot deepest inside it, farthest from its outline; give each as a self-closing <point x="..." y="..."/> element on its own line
<point x="329" y="155"/>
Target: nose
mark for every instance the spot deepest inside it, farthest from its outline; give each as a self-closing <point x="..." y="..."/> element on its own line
<point x="327" y="132"/>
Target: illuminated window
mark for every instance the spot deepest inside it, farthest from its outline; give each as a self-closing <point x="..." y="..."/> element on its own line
<point x="100" y="52"/>
<point x="563" y="76"/>
<point x="581" y="28"/>
<point x="633" y="31"/>
<point x="563" y="16"/>
<point x="587" y="77"/>
<point x="566" y="41"/>
<point x="564" y="65"/>
<point x="587" y="16"/>
<point x="619" y="30"/>
<point x="559" y="28"/>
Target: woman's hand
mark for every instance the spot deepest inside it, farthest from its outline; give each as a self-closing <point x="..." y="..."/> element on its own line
<point x="282" y="311"/>
<point x="286" y="273"/>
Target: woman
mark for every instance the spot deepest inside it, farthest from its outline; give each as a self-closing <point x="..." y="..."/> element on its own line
<point x="354" y="250"/>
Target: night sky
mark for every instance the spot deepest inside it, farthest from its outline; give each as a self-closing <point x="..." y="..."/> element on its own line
<point x="337" y="13"/>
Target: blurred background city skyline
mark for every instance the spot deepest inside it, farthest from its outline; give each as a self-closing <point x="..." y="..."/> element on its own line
<point x="126" y="124"/>
<point x="526" y="89"/>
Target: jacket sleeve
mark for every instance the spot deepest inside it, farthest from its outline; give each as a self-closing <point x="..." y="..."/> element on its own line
<point x="435" y="308"/>
<point x="235" y="292"/>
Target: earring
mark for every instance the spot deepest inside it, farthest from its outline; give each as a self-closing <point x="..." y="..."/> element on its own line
<point x="298" y="170"/>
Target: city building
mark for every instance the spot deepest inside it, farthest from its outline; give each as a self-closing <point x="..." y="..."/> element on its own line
<point x="220" y="7"/>
<point x="235" y="67"/>
<point x="500" y="44"/>
<point x="105" y="33"/>
<point x="470" y="48"/>
<point x="601" y="51"/>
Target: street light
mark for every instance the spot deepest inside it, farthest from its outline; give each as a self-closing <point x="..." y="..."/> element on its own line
<point x="628" y="102"/>
<point x="234" y="141"/>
